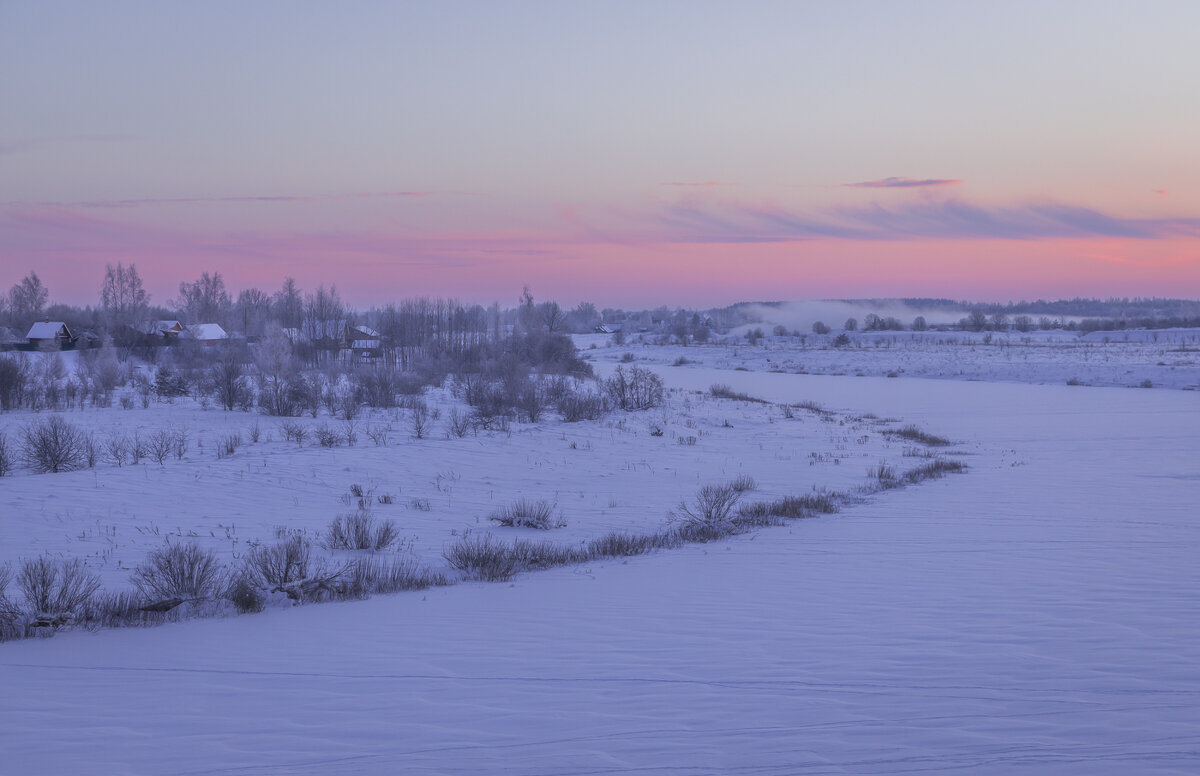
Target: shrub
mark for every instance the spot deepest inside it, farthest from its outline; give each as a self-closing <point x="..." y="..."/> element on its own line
<point x="160" y="444"/>
<point x="790" y="507"/>
<point x="14" y="376"/>
<point x="482" y="557"/>
<point x="377" y="575"/>
<point x="6" y="456"/>
<point x="917" y="435"/>
<point x="359" y="531"/>
<point x="885" y="476"/>
<point x="293" y="431"/>
<point x="743" y="483"/>
<point x="326" y="436"/>
<point x="619" y="544"/>
<point x="459" y="424"/>
<point x="116" y="610"/>
<point x="185" y="571"/>
<point x="709" y="515"/>
<point x="9" y="611"/>
<point x="57" y="588"/>
<point x="280" y="564"/>
<point x="116" y="448"/>
<point x="575" y="406"/>
<point x="379" y="434"/>
<point x="229" y="445"/>
<point x="53" y="445"/>
<point x="634" y="388"/>
<point x="932" y="470"/>
<point x="526" y="513"/>
<point x="722" y="391"/>
<point x="242" y="593"/>
<point x="168" y="383"/>
<point x="420" y="420"/>
<point x="544" y="555"/>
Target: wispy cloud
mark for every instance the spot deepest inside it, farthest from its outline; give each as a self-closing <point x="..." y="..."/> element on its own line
<point x="27" y="144"/>
<point x="903" y="183"/>
<point x="1162" y="192"/>
<point x="696" y="184"/>
<point x="146" y="201"/>
<point x="952" y="219"/>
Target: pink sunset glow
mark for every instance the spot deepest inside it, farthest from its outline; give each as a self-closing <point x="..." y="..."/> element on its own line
<point x="592" y="156"/>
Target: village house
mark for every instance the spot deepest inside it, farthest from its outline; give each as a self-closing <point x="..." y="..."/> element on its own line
<point x="49" y="334"/>
<point x="206" y="333"/>
<point x="168" y="329"/>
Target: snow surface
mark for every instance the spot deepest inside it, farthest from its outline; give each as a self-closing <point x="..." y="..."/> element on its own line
<point x="1168" y="358"/>
<point x="1039" y="614"/>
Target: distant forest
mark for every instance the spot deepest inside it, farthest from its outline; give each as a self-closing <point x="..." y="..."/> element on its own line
<point x="125" y="307"/>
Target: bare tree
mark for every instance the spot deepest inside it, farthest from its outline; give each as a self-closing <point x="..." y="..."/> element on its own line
<point x="276" y="366"/>
<point x="204" y="300"/>
<point x="124" y="300"/>
<point x="53" y="445"/>
<point x="6" y="455"/>
<point x="252" y="311"/>
<point x="288" y="305"/>
<point x="27" y="299"/>
<point x="227" y="374"/>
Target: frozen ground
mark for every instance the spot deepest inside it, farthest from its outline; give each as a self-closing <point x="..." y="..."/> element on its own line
<point x="1167" y="358"/>
<point x="1040" y="614"/>
<point x="625" y="472"/>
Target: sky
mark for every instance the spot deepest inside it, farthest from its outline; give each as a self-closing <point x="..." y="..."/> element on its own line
<point x="630" y="154"/>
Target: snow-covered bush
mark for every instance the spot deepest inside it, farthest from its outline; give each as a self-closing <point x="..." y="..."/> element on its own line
<point x="359" y="531"/>
<point x="709" y="515"/>
<point x="53" y="445"/>
<point x="6" y="455"/>
<point x="280" y="564"/>
<point x="243" y="594"/>
<point x="582" y="404"/>
<point x="634" y="388"/>
<point x="379" y="575"/>
<point x="527" y="513"/>
<point x="179" y="571"/>
<point x="482" y="557"/>
<point x="9" y="611"/>
<point x="57" y="588"/>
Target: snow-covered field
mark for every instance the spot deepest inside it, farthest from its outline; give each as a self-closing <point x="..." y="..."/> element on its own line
<point x="1039" y="614"/>
<point x="1167" y="358"/>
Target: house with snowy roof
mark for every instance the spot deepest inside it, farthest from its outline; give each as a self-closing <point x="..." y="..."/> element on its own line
<point x="206" y="333"/>
<point x="49" y="334"/>
<point x="168" y="329"/>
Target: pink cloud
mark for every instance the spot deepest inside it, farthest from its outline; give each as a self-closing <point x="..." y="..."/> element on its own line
<point x="120" y="203"/>
<point x="696" y="184"/>
<point x="903" y="183"/>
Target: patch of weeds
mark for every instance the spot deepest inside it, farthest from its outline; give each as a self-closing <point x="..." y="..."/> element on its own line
<point x="527" y="513"/>
<point x="722" y="391"/>
<point x="933" y="470"/>
<point x="359" y="531"/>
<point x="914" y="434"/>
<point x="743" y="483"/>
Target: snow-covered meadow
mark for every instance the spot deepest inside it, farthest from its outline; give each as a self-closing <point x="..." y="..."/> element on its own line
<point x="1040" y="613"/>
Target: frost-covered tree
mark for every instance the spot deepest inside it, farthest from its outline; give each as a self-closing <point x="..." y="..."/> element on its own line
<point x="27" y="299"/>
<point x="252" y="311"/>
<point x="204" y="300"/>
<point x="122" y="297"/>
<point x="288" y="305"/>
